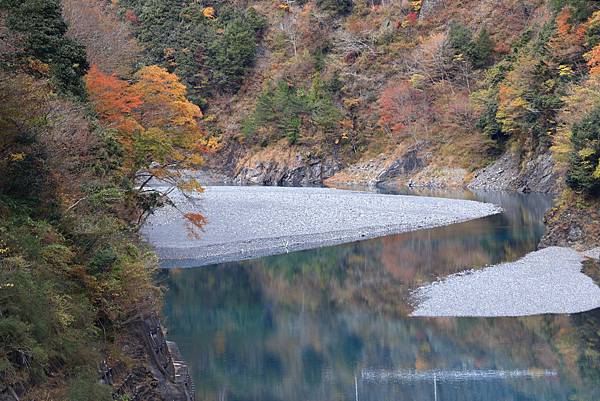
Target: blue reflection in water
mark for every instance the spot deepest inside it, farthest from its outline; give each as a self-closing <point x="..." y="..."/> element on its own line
<point x="331" y="323"/>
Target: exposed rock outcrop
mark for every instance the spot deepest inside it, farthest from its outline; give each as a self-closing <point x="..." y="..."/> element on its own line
<point x="428" y="7"/>
<point x="282" y="165"/>
<point x="404" y="168"/>
<point x="510" y="173"/>
<point x="158" y="372"/>
<point x="384" y="167"/>
<point x="573" y="223"/>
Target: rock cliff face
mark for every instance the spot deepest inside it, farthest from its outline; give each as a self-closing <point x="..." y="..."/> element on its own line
<point x="384" y="167"/>
<point x="158" y="372"/>
<point x="510" y="173"/>
<point x="573" y="223"/>
<point x="404" y="168"/>
<point x="285" y="166"/>
<point x="414" y="168"/>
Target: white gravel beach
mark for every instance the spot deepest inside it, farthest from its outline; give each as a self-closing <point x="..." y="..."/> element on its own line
<point x="546" y="281"/>
<point x="250" y="222"/>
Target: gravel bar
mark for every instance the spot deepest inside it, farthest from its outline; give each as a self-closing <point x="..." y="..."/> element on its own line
<point x="251" y="222"/>
<point x="546" y="281"/>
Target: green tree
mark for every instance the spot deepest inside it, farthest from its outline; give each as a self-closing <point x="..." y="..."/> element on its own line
<point x="285" y="111"/>
<point x="231" y="54"/>
<point x="335" y="7"/>
<point x="477" y="50"/>
<point x="584" y="169"/>
<point x="44" y="29"/>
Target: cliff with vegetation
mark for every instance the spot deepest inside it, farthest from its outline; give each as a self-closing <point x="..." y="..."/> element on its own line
<point x="475" y="94"/>
<point x="78" y="299"/>
<point x="99" y="97"/>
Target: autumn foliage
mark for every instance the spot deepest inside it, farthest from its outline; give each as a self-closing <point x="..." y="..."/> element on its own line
<point x="154" y="122"/>
<point x="113" y="100"/>
<point x="403" y="109"/>
<point x="593" y="60"/>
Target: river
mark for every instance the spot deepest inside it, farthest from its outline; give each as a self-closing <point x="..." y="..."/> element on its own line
<point x="332" y="323"/>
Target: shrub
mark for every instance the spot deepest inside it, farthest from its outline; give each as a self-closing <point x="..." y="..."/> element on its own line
<point x="335" y="7"/>
<point x="584" y="169"/>
<point x="477" y="50"/>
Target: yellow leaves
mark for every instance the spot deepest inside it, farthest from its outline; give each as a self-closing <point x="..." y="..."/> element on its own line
<point x="459" y="58"/>
<point x="164" y="100"/>
<point x="565" y="70"/>
<point x="61" y="305"/>
<point x="195" y="159"/>
<point x="209" y="12"/>
<point x="549" y="85"/>
<point x="416" y="5"/>
<point x="212" y="144"/>
<point x="417" y="80"/>
<point x="596" y="173"/>
<point x="585" y="153"/>
<point x="16" y="157"/>
<point x="284" y="7"/>
<point x="351" y="102"/>
<point x="511" y="107"/>
<point x="38" y="66"/>
<point x="191" y="186"/>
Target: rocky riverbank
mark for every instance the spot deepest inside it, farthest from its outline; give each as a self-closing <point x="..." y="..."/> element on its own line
<point x="156" y="371"/>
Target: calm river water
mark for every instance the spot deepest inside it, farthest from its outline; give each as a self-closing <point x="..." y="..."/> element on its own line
<point x="331" y="324"/>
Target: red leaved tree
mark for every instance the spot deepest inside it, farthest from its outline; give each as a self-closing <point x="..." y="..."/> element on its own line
<point x="404" y="110"/>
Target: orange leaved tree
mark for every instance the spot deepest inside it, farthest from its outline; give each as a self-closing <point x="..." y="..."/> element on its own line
<point x="157" y="126"/>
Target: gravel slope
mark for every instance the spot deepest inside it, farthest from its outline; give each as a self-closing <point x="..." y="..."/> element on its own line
<point x="546" y="281"/>
<point x="250" y="222"/>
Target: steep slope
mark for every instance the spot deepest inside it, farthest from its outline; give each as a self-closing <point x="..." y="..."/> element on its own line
<point x="422" y="93"/>
<point x="78" y="301"/>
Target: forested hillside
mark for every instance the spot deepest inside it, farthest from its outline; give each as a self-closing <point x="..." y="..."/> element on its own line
<point x="99" y="97"/>
<point x="77" y="294"/>
<point x="432" y="93"/>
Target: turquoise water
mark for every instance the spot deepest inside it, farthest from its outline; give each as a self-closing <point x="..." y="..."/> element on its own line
<point x="332" y="324"/>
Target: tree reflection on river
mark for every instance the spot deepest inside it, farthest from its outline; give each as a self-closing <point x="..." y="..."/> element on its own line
<point x="331" y="324"/>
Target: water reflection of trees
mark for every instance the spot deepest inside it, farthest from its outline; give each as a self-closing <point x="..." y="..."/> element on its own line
<point x="380" y="273"/>
<point x="302" y="326"/>
<point x="254" y="339"/>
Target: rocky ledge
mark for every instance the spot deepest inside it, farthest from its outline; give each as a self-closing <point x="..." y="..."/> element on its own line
<point x="509" y="173"/>
<point x="282" y="165"/>
<point x="156" y="372"/>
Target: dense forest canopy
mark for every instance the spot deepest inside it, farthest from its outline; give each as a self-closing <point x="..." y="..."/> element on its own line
<point x="99" y="98"/>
